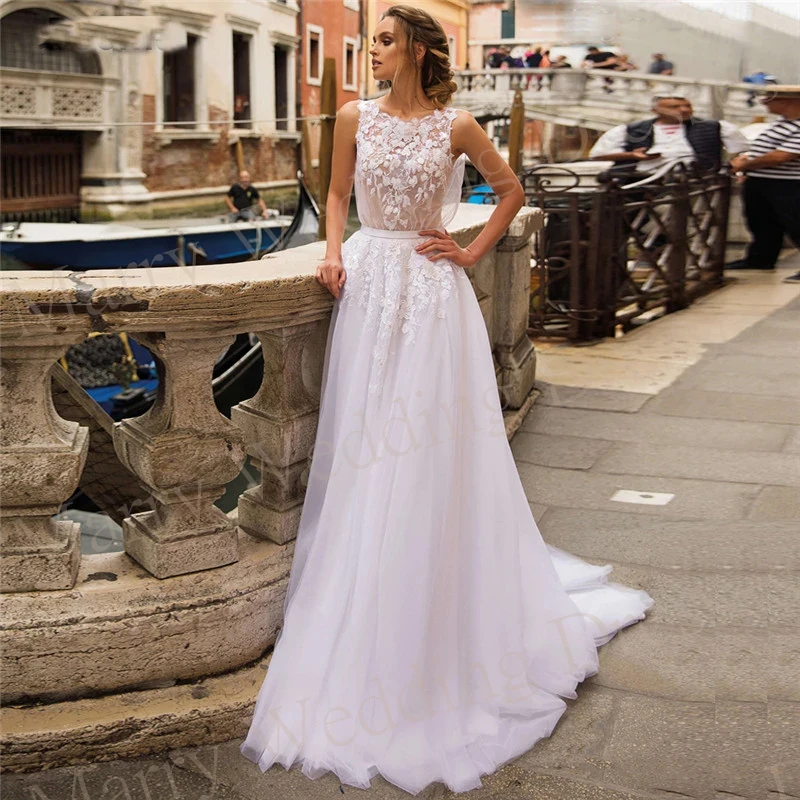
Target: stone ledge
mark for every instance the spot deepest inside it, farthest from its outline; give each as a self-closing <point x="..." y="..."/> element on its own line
<point x="120" y="628"/>
<point x="279" y="287"/>
<point x="207" y="711"/>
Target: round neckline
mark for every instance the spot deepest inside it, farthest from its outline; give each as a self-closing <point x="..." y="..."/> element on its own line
<point x="412" y="119"/>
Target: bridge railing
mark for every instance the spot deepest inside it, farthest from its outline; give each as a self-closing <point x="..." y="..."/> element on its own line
<point x="489" y="92"/>
<point x="616" y="253"/>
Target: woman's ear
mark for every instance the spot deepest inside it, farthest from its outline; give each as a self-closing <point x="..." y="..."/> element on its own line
<point x="419" y="52"/>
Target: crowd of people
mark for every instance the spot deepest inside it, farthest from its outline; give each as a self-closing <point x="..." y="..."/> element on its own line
<point x="532" y="58"/>
<point x="538" y="57"/>
<point x="770" y="164"/>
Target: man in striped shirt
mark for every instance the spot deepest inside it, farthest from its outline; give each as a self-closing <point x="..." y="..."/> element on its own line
<point x="772" y="188"/>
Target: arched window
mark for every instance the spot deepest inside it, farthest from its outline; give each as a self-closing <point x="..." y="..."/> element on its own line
<point x="21" y="48"/>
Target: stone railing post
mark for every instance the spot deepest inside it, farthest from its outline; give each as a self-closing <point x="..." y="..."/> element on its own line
<point x="279" y="425"/>
<point x="514" y="351"/>
<point x="41" y="460"/>
<point x="185" y="452"/>
<point x="568" y="85"/>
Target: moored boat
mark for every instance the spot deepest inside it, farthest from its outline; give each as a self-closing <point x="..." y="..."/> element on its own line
<point x="79" y="246"/>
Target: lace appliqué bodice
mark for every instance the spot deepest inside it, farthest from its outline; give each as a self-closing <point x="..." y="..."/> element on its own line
<point x="406" y="180"/>
<point x="405" y="170"/>
<point x="395" y="287"/>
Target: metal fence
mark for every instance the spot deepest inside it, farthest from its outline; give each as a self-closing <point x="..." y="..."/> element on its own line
<point x="622" y="251"/>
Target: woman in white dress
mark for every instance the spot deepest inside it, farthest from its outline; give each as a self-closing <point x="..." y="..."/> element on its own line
<point x="429" y="632"/>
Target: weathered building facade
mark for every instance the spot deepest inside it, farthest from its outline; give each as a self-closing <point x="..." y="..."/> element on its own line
<point x="328" y="29"/>
<point x="128" y="107"/>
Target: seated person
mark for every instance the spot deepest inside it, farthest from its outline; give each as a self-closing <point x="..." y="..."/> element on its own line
<point x="599" y="59"/>
<point x="242" y="199"/>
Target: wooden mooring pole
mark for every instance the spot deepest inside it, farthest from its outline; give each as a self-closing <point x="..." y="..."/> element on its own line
<point x="327" y="121"/>
<point x="306" y="151"/>
<point x="516" y="133"/>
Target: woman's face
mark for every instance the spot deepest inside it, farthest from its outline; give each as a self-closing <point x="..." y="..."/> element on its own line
<point x="386" y="50"/>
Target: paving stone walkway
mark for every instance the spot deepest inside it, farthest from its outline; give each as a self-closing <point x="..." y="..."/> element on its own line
<point x="700" y="701"/>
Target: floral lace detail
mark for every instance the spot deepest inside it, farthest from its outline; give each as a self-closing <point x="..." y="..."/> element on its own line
<point x="396" y="288"/>
<point x="403" y="167"/>
<point x="405" y="181"/>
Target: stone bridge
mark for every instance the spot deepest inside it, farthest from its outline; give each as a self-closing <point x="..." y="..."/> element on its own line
<point x="597" y="100"/>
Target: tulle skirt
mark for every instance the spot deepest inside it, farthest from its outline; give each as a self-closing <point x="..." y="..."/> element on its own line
<point x="430" y="634"/>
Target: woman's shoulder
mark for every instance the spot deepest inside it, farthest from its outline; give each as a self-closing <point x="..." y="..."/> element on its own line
<point x="350" y="110"/>
<point x="462" y="119"/>
<point x="460" y="113"/>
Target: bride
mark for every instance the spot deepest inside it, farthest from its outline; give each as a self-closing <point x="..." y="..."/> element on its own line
<point x="429" y="632"/>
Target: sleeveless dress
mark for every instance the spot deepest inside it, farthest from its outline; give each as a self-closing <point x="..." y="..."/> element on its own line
<point x="429" y="632"/>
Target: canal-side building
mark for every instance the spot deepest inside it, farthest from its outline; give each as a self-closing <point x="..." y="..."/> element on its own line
<point x="328" y="29"/>
<point x="135" y="107"/>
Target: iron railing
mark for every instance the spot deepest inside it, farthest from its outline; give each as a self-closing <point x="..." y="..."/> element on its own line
<point x="619" y="251"/>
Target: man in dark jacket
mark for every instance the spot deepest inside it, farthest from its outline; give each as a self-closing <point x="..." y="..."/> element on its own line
<point x="673" y="136"/>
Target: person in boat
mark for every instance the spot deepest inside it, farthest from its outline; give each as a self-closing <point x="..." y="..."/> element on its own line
<point x="244" y="201"/>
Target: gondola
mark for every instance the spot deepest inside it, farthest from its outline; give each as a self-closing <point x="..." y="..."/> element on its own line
<point x="79" y="246"/>
<point x="237" y="373"/>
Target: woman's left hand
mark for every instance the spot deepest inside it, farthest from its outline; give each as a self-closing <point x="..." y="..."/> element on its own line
<point x="442" y="245"/>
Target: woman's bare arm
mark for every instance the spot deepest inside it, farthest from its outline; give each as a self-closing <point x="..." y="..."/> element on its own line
<point x="331" y="273"/>
<point x="468" y="137"/>
<point x="342" y="172"/>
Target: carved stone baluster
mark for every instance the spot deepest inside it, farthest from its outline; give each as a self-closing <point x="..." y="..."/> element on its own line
<point x="514" y="351"/>
<point x="279" y="424"/>
<point x="185" y="451"/>
<point x="41" y="460"/>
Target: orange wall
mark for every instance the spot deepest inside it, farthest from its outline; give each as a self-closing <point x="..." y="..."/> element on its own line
<point x="338" y="21"/>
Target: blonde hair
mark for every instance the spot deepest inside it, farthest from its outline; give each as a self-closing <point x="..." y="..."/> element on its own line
<point x="435" y="71"/>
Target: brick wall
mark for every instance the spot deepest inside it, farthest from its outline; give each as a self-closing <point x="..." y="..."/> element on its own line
<point x="189" y="164"/>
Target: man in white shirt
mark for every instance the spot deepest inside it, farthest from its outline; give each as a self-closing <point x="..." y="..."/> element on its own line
<point x="673" y="136"/>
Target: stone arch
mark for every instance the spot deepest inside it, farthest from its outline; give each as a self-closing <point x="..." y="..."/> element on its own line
<point x="20" y="47"/>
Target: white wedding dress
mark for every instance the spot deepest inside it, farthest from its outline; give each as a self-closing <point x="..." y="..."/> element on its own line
<point x="429" y="634"/>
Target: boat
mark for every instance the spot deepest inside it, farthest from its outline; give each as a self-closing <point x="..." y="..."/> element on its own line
<point x="237" y="373"/>
<point x="78" y="246"/>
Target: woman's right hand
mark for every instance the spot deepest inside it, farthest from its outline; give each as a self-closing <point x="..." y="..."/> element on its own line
<point x="331" y="274"/>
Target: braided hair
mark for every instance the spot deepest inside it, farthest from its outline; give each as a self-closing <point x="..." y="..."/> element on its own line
<point x="435" y="71"/>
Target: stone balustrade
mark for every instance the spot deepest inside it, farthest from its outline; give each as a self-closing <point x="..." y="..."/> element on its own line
<point x="34" y="97"/>
<point x="196" y="593"/>
<point x="596" y="99"/>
